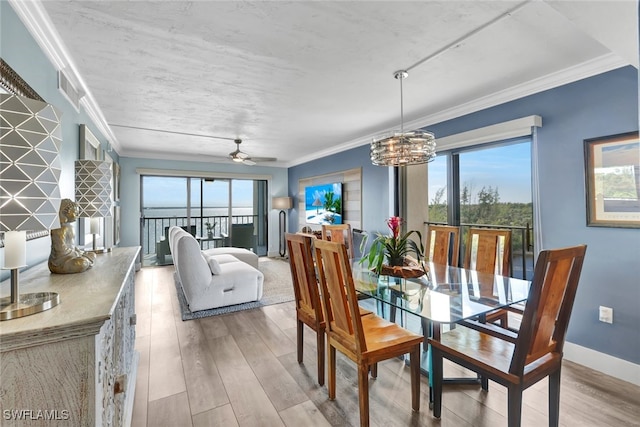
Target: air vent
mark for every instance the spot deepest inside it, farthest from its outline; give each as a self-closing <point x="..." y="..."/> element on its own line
<point x="69" y="90"/>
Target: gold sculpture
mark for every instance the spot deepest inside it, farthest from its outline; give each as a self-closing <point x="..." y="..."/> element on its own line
<point x="65" y="257"/>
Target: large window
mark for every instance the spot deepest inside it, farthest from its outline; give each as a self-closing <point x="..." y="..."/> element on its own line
<point x="488" y="185"/>
<point x="206" y="207"/>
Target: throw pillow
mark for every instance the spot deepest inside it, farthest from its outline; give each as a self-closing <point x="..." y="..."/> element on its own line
<point x="214" y="265"/>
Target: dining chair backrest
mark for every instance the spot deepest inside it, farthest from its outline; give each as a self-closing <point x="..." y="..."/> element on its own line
<point x="338" y="293"/>
<point x="488" y="250"/>
<point x="303" y="275"/>
<point x="340" y="233"/>
<point x="443" y="244"/>
<point x="308" y="304"/>
<point x="546" y="315"/>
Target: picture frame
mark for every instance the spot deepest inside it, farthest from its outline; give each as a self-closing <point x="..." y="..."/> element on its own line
<point x="116" y="182"/>
<point x="116" y="225"/>
<point x="89" y="145"/>
<point x="612" y="173"/>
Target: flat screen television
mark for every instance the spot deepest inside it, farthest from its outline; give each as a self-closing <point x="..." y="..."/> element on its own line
<point x="323" y="203"/>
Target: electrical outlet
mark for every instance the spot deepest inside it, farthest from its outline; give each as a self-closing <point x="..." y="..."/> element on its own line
<point x="606" y="314"/>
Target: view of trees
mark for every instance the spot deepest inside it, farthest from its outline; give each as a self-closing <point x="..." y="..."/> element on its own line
<point x="483" y="207"/>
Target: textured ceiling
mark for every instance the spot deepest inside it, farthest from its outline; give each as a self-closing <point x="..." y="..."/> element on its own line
<point x="298" y="79"/>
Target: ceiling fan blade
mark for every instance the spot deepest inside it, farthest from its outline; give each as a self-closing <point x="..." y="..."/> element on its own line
<point x="249" y="162"/>
<point x="241" y="155"/>
<point x="264" y="159"/>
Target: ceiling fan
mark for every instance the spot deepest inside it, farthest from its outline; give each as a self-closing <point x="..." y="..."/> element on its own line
<point x="242" y="157"/>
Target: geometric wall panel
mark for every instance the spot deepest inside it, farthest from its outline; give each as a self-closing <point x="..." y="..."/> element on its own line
<point x="93" y="188"/>
<point x="30" y="139"/>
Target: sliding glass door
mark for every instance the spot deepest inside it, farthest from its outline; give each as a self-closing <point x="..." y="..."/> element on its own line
<point x="208" y="208"/>
<point x="487" y="186"/>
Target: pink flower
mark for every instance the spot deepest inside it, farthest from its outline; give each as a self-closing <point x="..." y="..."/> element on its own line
<point x="394" y="223"/>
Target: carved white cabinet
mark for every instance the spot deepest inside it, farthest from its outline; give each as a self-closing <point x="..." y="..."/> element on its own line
<point x="75" y="364"/>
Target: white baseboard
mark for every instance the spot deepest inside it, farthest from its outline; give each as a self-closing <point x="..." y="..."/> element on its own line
<point x="610" y="365"/>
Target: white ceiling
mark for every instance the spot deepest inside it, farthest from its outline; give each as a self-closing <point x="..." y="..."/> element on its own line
<point x="297" y="80"/>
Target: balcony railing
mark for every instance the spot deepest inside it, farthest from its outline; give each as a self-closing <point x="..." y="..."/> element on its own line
<point x="521" y="246"/>
<point x="154" y="227"/>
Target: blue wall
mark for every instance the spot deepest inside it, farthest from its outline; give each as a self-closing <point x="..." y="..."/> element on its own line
<point x="23" y="54"/>
<point x="375" y="185"/>
<point x="602" y="105"/>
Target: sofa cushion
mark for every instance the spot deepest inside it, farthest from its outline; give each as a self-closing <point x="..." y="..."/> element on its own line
<point x="191" y="267"/>
<point x="241" y="254"/>
<point x="214" y="265"/>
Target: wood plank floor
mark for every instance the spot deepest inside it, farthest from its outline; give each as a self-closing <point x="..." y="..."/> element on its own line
<point x="240" y="369"/>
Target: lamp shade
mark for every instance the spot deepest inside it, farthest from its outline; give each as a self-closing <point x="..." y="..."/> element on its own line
<point x="282" y="203"/>
<point x="30" y="138"/>
<point x="93" y="188"/>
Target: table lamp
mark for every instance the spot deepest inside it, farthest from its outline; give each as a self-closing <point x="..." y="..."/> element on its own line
<point x="93" y="195"/>
<point x="30" y="137"/>
<point x="282" y="203"/>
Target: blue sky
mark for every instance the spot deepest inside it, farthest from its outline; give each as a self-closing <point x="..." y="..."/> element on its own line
<point x="170" y="192"/>
<point x="506" y="167"/>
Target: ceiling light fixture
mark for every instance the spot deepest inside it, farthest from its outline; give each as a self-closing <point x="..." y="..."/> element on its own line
<point x="403" y="148"/>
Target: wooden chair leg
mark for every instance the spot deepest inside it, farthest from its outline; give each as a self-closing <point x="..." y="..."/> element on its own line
<point x="436" y="371"/>
<point x="514" y="410"/>
<point x="363" y="394"/>
<point x="414" y="361"/>
<point x="554" y="398"/>
<point x="374" y="370"/>
<point x="320" y="356"/>
<point x="300" y="338"/>
<point x="332" y="372"/>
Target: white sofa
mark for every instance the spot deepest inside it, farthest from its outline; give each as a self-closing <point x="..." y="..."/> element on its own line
<point x="211" y="280"/>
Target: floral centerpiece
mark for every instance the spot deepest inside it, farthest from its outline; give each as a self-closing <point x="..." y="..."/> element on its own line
<point x="394" y="250"/>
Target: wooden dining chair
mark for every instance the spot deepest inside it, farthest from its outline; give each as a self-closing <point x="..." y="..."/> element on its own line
<point x="308" y="305"/>
<point x="488" y="250"/>
<point x="309" y="309"/>
<point x="443" y="244"/>
<point x="366" y="340"/>
<point x="340" y="233"/>
<point x="518" y="361"/>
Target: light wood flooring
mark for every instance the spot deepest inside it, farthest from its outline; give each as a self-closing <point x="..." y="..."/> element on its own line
<point x="240" y="369"/>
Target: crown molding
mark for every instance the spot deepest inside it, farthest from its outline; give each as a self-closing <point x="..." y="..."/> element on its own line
<point x="581" y="71"/>
<point x="35" y="18"/>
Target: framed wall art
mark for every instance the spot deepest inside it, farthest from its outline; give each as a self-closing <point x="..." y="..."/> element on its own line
<point x="89" y="145"/>
<point x="116" y="181"/>
<point x="613" y="180"/>
<point x="116" y="225"/>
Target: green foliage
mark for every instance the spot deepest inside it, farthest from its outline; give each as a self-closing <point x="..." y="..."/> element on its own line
<point x="485" y="208"/>
<point x="331" y="203"/>
<point x="620" y="185"/>
<point x="394" y="246"/>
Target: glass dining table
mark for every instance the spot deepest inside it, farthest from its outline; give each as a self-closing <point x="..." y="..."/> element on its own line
<point x="446" y="295"/>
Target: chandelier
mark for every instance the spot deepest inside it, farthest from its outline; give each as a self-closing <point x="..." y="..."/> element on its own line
<point x="403" y="148"/>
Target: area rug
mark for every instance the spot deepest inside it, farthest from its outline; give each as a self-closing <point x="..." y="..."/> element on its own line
<point x="277" y="289"/>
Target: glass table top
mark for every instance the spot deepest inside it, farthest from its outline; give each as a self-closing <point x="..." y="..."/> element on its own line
<point x="446" y="294"/>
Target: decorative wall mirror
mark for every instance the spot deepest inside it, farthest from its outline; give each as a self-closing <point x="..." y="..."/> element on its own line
<point x="11" y="82"/>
